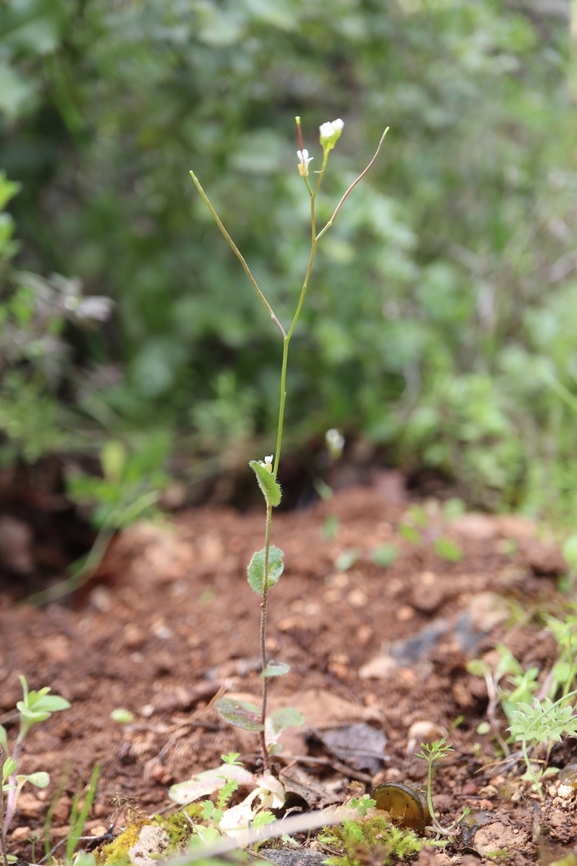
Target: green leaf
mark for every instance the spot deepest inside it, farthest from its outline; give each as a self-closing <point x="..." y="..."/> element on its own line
<point x="418" y="516"/>
<point x="384" y="555"/>
<point x="8" y="768"/>
<point x="478" y="668"/>
<point x="40" y="780"/>
<point x="447" y="549"/>
<point x="263" y="818"/>
<point x="240" y="714"/>
<point x="453" y="508"/>
<point x="409" y="533"/>
<point x="255" y="570"/>
<point x="347" y="558"/>
<point x="285" y="717"/>
<point x="113" y="459"/>
<point x="570" y="551"/>
<point x="267" y="483"/>
<point x="275" y="670"/>
<point x="4" y="741"/>
<point x="206" y="783"/>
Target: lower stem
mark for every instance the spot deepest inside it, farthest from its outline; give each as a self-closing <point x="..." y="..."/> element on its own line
<point x="263" y="658"/>
<point x="12" y="793"/>
<point x="3" y="851"/>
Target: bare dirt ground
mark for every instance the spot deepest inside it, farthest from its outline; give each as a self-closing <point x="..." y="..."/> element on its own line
<point x="171" y="622"/>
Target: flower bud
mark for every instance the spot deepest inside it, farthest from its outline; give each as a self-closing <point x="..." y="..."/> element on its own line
<point x="330" y="133"/>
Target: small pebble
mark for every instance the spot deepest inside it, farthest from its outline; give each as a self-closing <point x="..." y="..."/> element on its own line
<point x="20" y="834"/>
<point x="423" y="732"/>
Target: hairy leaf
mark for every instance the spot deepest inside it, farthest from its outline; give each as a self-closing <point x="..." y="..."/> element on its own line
<point x="267" y="483"/>
<point x="255" y="569"/>
<point x="240" y="714"/>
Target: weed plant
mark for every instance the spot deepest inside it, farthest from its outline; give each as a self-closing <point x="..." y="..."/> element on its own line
<point x="538" y="713"/>
<point x="266" y="565"/>
<point x="432" y="753"/>
<point x="35" y="707"/>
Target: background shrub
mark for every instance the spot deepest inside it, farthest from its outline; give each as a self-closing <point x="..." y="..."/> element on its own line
<point x="440" y="320"/>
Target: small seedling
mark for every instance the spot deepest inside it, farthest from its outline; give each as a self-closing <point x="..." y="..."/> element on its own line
<point x="431" y="753"/>
<point x="384" y="555"/>
<point x="129" y="490"/>
<point x="36" y="706"/>
<point x="447" y="549"/>
<point x="266" y="566"/>
<point x="331" y="527"/>
<point x="542" y="722"/>
<point x="347" y="558"/>
<point x="515" y="689"/>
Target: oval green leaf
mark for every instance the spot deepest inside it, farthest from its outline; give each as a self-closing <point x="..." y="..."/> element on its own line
<point x="239" y="714"/>
<point x="275" y="670"/>
<point x="255" y="570"/>
<point x="286" y="717"/>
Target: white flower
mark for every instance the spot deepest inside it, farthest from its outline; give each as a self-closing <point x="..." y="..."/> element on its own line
<point x="304" y="160"/>
<point x="331" y="132"/>
<point x="268" y="460"/>
<point x="335" y="442"/>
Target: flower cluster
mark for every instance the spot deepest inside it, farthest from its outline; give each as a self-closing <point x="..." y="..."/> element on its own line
<point x="330" y="134"/>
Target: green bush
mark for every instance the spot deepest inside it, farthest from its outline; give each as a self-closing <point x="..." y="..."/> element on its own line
<point x="438" y="314"/>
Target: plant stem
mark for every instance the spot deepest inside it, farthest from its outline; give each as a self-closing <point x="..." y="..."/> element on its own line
<point x="3" y="851"/>
<point x="263" y="658"/>
<point x="14" y="789"/>
<point x="282" y="401"/>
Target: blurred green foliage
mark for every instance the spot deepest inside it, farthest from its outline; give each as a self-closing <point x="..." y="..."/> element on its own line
<point x="440" y="320"/>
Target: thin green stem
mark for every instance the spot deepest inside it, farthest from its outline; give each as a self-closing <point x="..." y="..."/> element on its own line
<point x="287" y="338"/>
<point x="237" y="253"/>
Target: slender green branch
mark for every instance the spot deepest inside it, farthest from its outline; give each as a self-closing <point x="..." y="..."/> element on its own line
<point x="237" y="253"/>
<point x="352" y="186"/>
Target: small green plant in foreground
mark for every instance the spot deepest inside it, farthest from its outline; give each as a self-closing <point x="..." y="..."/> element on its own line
<point x="535" y="711"/>
<point x="543" y="721"/>
<point x="431" y="753"/>
<point x="349" y="843"/>
<point x="35" y="707"/>
<point x="266" y="566"/>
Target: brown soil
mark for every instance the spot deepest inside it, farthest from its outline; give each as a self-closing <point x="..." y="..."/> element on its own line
<point x="172" y="621"/>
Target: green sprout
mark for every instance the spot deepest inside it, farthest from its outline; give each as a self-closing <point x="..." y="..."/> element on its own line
<point x="36" y="706"/>
<point x="542" y="722"/>
<point x="431" y="753"/>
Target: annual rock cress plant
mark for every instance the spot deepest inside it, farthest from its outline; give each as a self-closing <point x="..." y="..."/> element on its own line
<point x="266" y="565"/>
